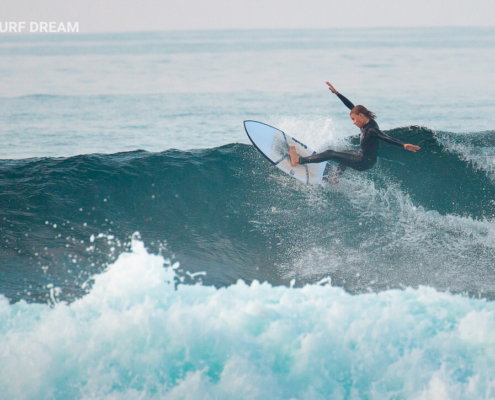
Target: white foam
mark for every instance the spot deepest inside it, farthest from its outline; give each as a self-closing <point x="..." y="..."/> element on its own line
<point x="420" y="240"/>
<point x="135" y="336"/>
<point x="481" y="157"/>
<point x="318" y="132"/>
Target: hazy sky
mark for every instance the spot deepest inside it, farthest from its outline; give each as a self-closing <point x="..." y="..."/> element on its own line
<point x="146" y="15"/>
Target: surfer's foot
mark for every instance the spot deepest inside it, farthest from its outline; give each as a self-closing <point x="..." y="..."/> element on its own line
<point x="294" y="157"/>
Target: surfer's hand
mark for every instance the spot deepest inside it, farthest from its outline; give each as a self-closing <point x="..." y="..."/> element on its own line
<point x="331" y="88"/>
<point x="411" y="147"/>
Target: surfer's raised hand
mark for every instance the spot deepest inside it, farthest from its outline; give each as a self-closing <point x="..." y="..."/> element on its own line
<point x="331" y="88"/>
<point x="411" y="147"/>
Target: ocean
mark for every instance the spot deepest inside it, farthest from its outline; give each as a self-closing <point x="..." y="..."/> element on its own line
<point x="149" y="251"/>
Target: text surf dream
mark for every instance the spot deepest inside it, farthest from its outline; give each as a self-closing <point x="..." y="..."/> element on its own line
<point x="39" y="27"/>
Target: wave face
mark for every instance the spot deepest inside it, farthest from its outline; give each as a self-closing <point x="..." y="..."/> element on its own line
<point x="414" y="219"/>
<point x="138" y="335"/>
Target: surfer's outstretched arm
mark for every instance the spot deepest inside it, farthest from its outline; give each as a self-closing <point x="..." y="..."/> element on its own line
<point x="388" y="139"/>
<point x="391" y="140"/>
<point x="344" y="99"/>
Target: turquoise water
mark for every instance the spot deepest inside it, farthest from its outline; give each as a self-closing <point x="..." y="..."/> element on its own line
<point x="136" y="336"/>
<point x="380" y="287"/>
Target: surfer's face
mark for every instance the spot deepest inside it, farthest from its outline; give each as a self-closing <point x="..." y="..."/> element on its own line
<point x="359" y="120"/>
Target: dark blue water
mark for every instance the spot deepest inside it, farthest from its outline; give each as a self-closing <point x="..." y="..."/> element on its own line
<point x="421" y="218"/>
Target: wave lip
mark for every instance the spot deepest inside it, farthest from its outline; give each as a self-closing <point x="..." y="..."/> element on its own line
<point x="135" y="334"/>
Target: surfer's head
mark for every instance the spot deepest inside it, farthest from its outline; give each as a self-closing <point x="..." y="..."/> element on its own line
<point x="360" y="116"/>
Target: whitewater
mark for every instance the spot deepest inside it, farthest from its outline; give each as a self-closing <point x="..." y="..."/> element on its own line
<point x="149" y="251"/>
<point x="140" y="333"/>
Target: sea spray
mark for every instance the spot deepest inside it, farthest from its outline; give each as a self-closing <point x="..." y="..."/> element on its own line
<point x="140" y="333"/>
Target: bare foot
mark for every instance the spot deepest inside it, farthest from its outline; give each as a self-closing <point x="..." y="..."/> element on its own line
<point x="294" y="157"/>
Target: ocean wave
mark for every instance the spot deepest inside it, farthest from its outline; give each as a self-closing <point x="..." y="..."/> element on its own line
<point x="415" y="219"/>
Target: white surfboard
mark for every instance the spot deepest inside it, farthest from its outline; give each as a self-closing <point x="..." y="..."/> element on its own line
<point x="274" y="145"/>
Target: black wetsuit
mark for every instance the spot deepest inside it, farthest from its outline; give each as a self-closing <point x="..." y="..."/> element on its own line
<point x="360" y="160"/>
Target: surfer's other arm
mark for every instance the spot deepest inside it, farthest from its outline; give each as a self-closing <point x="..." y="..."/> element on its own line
<point x="391" y="140"/>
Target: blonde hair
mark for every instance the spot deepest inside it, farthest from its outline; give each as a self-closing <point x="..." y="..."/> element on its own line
<point x="363" y="110"/>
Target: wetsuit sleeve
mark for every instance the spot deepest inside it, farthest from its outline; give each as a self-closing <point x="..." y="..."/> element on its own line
<point x="388" y="139"/>
<point x="346" y="101"/>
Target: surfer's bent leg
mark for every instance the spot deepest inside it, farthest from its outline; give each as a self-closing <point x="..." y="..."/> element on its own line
<point x="351" y="159"/>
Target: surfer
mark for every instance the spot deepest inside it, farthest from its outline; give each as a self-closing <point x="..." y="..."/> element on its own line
<point x="360" y="160"/>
